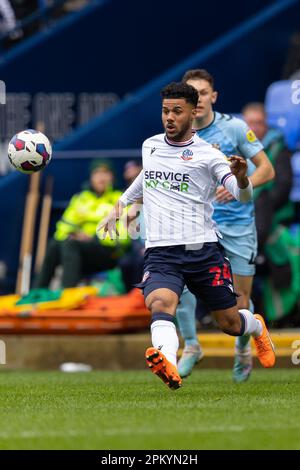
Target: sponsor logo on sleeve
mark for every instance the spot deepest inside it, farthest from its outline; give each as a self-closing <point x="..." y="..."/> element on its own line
<point x="251" y="137"/>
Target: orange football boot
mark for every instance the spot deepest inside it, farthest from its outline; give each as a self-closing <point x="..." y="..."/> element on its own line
<point x="163" y="368"/>
<point x="264" y="346"/>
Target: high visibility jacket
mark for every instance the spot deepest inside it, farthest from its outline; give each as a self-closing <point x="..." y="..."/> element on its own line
<point x="83" y="214"/>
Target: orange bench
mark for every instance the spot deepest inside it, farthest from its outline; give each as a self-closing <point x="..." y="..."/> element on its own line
<point x="97" y="315"/>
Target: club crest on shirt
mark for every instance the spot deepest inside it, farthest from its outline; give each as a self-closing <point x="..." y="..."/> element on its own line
<point x="187" y="155"/>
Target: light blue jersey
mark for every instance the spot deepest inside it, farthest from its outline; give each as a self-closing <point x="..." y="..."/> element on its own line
<point x="233" y="137"/>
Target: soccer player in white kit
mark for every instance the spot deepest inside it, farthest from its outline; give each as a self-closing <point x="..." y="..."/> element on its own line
<point x="180" y="175"/>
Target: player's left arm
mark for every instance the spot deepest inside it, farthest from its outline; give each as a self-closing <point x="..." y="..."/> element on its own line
<point x="264" y="171"/>
<point x="240" y="187"/>
<point x="251" y="148"/>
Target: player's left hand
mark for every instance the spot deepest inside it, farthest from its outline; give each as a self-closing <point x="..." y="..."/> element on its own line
<point x="238" y="166"/>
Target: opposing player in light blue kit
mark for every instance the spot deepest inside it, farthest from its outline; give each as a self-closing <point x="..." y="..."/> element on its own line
<point x="235" y="220"/>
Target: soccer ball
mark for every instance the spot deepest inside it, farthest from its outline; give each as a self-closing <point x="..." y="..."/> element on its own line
<point x="29" y="151"/>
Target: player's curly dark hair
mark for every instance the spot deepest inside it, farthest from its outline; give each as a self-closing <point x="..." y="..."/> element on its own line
<point x="180" y="90"/>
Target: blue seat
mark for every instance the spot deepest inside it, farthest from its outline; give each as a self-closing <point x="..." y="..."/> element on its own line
<point x="295" y="192"/>
<point x="283" y="110"/>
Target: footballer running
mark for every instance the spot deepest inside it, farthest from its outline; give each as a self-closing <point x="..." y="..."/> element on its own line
<point x="178" y="183"/>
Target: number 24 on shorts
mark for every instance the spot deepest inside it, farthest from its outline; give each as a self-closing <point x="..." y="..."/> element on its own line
<point x="221" y="274"/>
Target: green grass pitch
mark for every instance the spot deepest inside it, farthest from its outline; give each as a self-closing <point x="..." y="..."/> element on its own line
<point x="135" y="410"/>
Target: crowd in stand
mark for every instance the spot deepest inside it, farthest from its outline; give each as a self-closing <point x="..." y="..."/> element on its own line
<point x="13" y="12"/>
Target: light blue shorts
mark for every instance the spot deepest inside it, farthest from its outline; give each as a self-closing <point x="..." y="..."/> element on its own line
<point x="240" y="244"/>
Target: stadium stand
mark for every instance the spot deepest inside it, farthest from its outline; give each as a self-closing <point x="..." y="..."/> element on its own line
<point x="283" y="110"/>
<point x="295" y="192"/>
<point x="23" y="18"/>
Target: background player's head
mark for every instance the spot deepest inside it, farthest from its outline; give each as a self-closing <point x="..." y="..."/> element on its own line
<point x="255" y="116"/>
<point x="203" y="81"/>
<point x="179" y="101"/>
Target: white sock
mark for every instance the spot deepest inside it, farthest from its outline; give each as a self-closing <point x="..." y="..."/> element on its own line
<point x="164" y="337"/>
<point x="253" y="326"/>
<point x="242" y="343"/>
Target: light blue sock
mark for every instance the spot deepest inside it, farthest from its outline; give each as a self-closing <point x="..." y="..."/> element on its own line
<point x="186" y="317"/>
<point x="242" y="342"/>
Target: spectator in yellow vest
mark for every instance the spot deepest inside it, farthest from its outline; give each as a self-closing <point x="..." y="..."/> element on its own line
<point x="75" y="246"/>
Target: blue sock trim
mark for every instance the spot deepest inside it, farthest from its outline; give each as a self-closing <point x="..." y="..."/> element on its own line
<point x="243" y="321"/>
<point x="191" y="342"/>
<point x="162" y="316"/>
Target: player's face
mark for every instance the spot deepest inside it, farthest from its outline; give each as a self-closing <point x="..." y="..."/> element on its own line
<point x="177" y="118"/>
<point x="256" y="120"/>
<point x="207" y="97"/>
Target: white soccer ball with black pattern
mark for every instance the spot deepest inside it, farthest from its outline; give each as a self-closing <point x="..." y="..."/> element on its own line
<point x="29" y="151"/>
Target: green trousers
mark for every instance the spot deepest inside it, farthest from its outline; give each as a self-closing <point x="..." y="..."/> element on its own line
<point x="77" y="259"/>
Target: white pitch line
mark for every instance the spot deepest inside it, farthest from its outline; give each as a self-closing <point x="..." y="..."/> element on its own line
<point x="203" y="430"/>
<point x="34" y="434"/>
<point x="147" y="431"/>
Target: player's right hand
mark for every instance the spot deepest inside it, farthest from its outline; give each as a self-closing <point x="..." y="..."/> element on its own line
<point x="109" y="224"/>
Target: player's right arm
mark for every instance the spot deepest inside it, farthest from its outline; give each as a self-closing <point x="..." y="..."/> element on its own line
<point x="132" y="194"/>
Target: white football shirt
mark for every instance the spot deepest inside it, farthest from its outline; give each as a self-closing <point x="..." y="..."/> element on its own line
<point x="178" y="185"/>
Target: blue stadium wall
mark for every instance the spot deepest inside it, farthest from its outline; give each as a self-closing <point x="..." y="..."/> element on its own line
<point x="243" y="70"/>
<point x="120" y="45"/>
